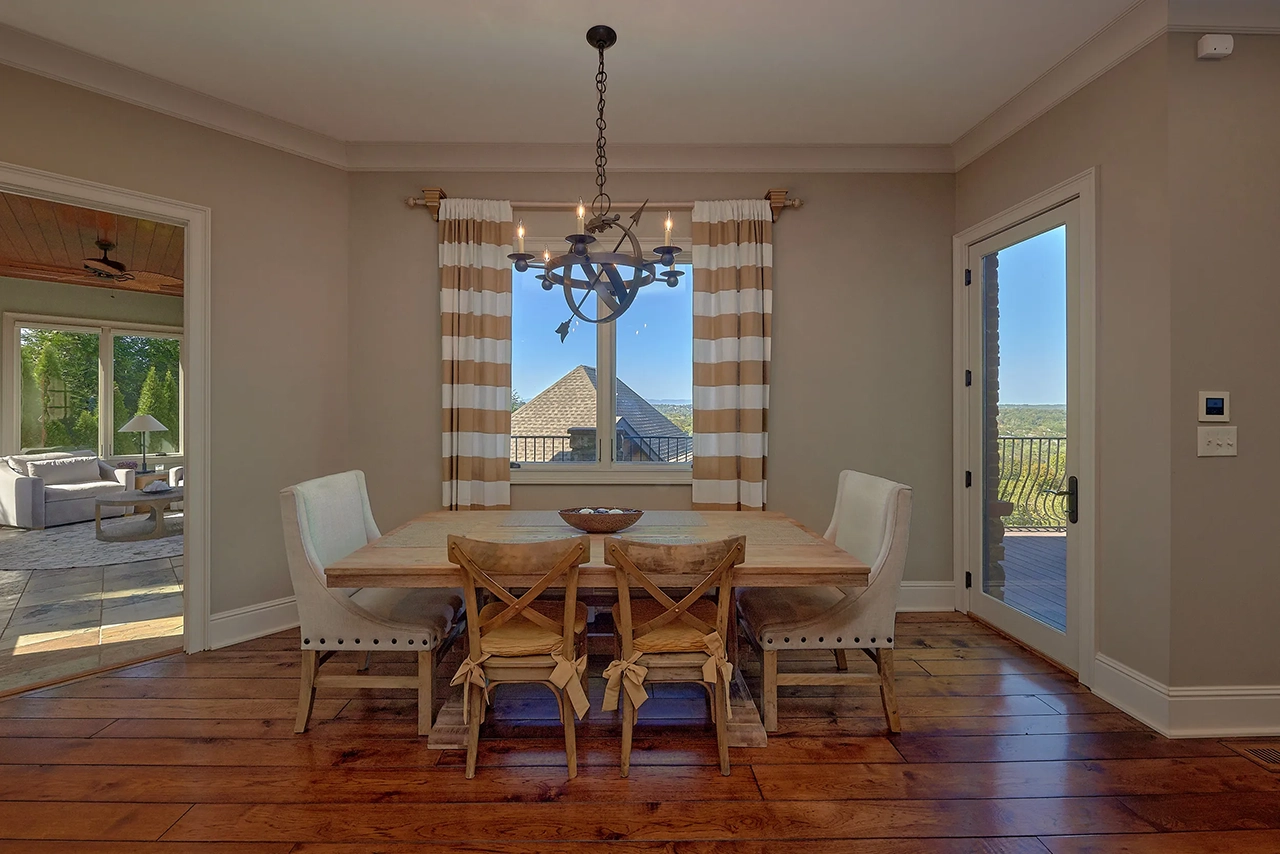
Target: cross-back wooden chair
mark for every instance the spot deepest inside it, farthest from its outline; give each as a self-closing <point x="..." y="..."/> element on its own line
<point x="518" y="638"/>
<point x="665" y="640"/>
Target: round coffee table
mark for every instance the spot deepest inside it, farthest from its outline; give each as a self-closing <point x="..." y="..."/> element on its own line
<point x="155" y="502"/>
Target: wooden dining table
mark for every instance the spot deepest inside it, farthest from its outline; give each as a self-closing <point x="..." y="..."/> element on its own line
<point x="780" y="553"/>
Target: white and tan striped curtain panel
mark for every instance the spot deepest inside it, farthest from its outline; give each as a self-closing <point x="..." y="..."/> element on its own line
<point x="475" y="323"/>
<point x="732" y="311"/>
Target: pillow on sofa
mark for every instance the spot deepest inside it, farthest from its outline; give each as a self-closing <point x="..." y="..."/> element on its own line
<point x="67" y="470"/>
<point x="18" y="462"/>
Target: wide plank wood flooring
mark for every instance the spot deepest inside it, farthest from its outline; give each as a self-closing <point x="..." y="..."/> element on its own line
<point x="1000" y="753"/>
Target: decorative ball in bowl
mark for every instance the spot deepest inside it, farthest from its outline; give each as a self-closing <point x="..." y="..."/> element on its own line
<point x="601" y="520"/>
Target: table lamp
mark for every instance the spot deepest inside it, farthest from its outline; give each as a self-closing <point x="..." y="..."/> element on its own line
<point x="143" y="424"/>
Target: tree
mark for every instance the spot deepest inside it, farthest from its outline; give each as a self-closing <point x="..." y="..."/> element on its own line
<point x="31" y="401"/>
<point x="516" y="400"/>
<point x="52" y="394"/>
<point x="167" y="407"/>
<point x="125" y="443"/>
<point x="85" y="431"/>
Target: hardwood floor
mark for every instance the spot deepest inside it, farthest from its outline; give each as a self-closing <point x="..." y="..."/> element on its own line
<point x="999" y="754"/>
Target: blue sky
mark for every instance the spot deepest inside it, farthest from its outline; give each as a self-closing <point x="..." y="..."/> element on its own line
<point x="655" y="339"/>
<point x="1033" y="320"/>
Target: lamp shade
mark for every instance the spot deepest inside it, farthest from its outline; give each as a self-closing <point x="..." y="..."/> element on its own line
<point x="142" y="424"/>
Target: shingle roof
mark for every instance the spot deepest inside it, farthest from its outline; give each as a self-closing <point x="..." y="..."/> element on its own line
<point x="570" y="402"/>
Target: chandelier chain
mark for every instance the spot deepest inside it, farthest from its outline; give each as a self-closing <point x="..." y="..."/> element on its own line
<point x="602" y="203"/>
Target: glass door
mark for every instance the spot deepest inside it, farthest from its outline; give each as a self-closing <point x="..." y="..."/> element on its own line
<point x="1023" y="415"/>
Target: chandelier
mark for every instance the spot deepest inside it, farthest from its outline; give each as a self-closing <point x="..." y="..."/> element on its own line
<point x="614" y="277"/>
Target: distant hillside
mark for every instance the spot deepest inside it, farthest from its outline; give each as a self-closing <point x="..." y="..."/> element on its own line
<point x="681" y="414"/>
<point x="1021" y="419"/>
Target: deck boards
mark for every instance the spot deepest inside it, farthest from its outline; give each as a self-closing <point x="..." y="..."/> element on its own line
<point x="1000" y="754"/>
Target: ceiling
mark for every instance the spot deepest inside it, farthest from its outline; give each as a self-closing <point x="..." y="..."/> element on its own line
<point x="48" y="241"/>
<point x="713" y="72"/>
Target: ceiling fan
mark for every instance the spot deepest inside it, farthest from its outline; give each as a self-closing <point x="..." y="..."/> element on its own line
<point x="108" y="268"/>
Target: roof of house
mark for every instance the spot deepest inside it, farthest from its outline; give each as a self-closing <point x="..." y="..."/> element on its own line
<point x="570" y="402"/>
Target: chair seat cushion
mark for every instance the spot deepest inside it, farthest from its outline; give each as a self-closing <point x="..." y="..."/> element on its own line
<point x="522" y="636"/>
<point x="431" y="610"/>
<point x="74" y="491"/>
<point x="675" y="636"/>
<point x="769" y="610"/>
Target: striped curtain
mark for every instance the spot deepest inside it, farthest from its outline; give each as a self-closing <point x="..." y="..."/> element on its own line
<point x="475" y="324"/>
<point x="732" y="310"/>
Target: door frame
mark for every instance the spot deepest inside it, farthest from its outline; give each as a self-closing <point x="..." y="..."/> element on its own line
<point x="196" y="357"/>
<point x="966" y="501"/>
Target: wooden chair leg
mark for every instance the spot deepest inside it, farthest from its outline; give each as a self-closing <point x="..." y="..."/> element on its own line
<point x="426" y="686"/>
<point x="884" y="664"/>
<point x="722" y="725"/>
<point x="307" y="691"/>
<point x="628" y="723"/>
<point x="770" y="692"/>
<point x="842" y="662"/>
<point x="570" y="736"/>
<point x="473" y="728"/>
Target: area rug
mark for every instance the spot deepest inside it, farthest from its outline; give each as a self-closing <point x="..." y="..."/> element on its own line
<point x="68" y="546"/>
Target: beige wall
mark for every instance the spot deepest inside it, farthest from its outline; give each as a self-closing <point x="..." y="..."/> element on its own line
<point x="279" y="299"/>
<point x="861" y="340"/>
<point x="55" y="299"/>
<point x="1119" y="124"/>
<point x="1224" y="133"/>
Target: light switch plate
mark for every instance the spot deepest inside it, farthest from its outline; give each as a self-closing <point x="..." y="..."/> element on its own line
<point x="1216" y="441"/>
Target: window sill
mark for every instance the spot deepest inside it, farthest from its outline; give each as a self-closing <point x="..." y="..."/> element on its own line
<point x="640" y="474"/>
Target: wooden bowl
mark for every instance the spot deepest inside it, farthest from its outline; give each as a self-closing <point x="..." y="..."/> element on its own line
<point x="601" y="523"/>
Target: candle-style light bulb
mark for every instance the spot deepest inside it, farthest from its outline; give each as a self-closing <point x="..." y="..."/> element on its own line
<point x="667" y="240"/>
<point x="582" y="218"/>
<point x="520" y="237"/>
<point x="546" y="255"/>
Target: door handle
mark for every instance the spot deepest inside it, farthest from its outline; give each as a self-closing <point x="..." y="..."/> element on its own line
<point x="1073" y="499"/>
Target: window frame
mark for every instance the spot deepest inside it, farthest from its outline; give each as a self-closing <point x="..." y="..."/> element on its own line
<point x="106" y="330"/>
<point x="606" y="469"/>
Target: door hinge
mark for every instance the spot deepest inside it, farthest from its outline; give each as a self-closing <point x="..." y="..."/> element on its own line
<point x="968" y="378"/>
<point x="968" y="478"/>
<point x="968" y="580"/>
<point x="968" y="278"/>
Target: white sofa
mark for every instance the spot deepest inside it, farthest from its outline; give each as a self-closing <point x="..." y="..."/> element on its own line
<point x="57" y="488"/>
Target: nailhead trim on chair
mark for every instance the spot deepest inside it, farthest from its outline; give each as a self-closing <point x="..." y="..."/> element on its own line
<point x="804" y="641"/>
<point x="424" y="642"/>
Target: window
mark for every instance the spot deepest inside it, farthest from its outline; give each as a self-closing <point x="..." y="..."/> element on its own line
<point x="65" y="369"/>
<point x="630" y="381"/>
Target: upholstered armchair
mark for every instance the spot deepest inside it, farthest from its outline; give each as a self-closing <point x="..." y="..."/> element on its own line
<point x="871" y="521"/>
<point x="325" y="520"/>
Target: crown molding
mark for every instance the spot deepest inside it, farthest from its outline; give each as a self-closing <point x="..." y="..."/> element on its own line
<point x="1240" y="17"/>
<point x="1141" y="24"/>
<point x="58" y="62"/>
<point x="448" y="157"/>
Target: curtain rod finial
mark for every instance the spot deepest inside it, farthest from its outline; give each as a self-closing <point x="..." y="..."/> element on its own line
<point x="778" y="200"/>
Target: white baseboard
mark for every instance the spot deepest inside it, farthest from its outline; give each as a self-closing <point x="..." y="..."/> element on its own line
<point x="927" y="596"/>
<point x="1132" y="692"/>
<point x="1203" y="711"/>
<point x="253" y="621"/>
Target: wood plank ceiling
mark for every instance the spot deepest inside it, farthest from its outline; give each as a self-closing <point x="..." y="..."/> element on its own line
<point x="49" y="241"/>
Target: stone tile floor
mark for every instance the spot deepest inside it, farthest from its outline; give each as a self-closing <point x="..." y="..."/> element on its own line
<point x="58" y="623"/>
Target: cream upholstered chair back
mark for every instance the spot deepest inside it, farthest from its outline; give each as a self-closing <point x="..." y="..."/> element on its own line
<point x="325" y="520"/>
<point x="872" y="521"/>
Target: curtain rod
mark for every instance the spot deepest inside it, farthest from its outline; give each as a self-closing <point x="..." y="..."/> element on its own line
<point x="431" y="197"/>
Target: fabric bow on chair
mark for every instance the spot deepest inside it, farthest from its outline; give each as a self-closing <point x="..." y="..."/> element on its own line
<point x="718" y="663"/>
<point x="471" y="672"/>
<point x="568" y="677"/>
<point x="625" y="673"/>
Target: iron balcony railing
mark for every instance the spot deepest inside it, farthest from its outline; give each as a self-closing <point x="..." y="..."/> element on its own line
<point x="582" y="449"/>
<point x="1033" y="470"/>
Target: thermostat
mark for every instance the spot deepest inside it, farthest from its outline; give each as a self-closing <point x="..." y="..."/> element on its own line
<point x="1215" y="406"/>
